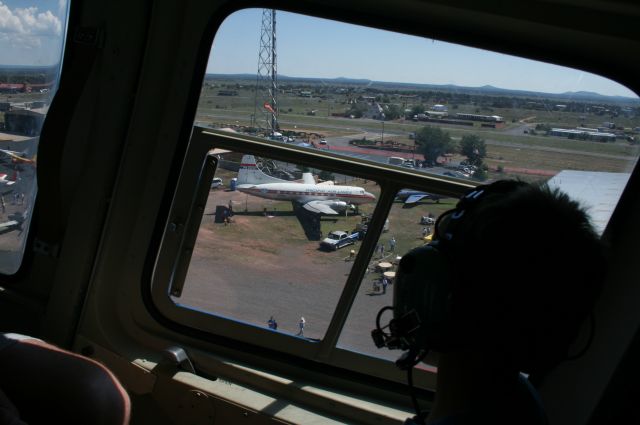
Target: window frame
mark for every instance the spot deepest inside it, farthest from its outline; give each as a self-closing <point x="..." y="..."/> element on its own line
<point x="185" y="215"/>
<point x="32" y="214"/>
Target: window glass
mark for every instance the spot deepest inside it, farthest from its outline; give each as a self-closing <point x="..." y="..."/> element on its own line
<point x="410" y="224"/>
<point x="422" y="105"/>
<point x="276" y="243"/>
<point x="31" y="41"/>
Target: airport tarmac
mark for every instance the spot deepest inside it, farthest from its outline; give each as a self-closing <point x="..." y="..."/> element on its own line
<point x="12" y="242"/>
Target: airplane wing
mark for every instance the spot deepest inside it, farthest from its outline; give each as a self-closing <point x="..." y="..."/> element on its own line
<point x="416" y="198"/>
<point x="421" y="196"/>
<point x="319" y="207"/>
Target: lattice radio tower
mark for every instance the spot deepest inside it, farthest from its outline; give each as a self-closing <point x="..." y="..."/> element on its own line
<point x="266" y="105"/>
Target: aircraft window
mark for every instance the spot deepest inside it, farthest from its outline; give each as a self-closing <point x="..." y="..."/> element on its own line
<point x="375" y="110"/>
<point x="31" y="41"/>
<point x="275" y="252"/>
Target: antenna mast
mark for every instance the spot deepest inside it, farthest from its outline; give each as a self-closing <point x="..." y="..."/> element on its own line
<point x="265" y="110"/>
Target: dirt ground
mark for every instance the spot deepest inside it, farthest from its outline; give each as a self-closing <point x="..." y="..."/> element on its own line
<point x="261" y="266"/>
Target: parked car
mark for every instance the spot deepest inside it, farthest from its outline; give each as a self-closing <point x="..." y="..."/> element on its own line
<point x="216" y="182"/>
<point x="338" y="239"/>
<point x="427" y="220"/>
<point x="456" y="174"/>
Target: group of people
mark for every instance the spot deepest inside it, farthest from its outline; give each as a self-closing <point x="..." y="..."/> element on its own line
<point x="392" y="246"/>
<point x="16" y="199"/>
<point x="272" y="324"/>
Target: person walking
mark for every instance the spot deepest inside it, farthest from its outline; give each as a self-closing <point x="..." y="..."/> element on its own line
<point x="392" y="244"/>
<point x="301" y="324"/>
<point x="272" y="323"/>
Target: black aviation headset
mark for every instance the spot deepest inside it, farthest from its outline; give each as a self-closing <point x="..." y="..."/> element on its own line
<point x="424" y="290"/>
<point x="422" y="297"/>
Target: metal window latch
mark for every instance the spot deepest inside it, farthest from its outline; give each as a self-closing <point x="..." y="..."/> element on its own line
<point x="179" y="358"/>
<point x="44" y="248"/>
<point x="89" y="36"/>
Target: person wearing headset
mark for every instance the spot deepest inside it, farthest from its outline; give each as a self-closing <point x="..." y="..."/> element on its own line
<point x="496" y="301"/>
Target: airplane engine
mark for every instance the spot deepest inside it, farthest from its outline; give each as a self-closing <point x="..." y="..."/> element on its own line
<point x="339" y="205"/>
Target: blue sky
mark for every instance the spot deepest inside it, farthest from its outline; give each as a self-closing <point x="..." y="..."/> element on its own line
<point x="312" y="47"/>
<point x="32" y="31"/>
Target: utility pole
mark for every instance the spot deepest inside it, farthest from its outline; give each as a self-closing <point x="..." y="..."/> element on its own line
<point x="413" y="155"/>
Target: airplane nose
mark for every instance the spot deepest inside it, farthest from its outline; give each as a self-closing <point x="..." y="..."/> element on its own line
<point x="370" y="196"/>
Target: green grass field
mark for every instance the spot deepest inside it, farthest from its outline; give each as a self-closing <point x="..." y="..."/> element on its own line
<point x="509" y="147"/>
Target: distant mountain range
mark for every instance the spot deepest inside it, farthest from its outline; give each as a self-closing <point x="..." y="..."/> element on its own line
<point x="487" y="90"/>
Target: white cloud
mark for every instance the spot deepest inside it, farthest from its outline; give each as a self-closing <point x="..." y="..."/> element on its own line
<point x="28" y="21"/>
<point x="20" y="40"/>
<point x="31" y="35"/>
<point x="40" y="23"/>
<point x="8" y="21"/>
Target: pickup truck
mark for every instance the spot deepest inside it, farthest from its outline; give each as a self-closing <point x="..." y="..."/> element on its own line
<point x="427" y="220"/>
<point x="337" y="239"/>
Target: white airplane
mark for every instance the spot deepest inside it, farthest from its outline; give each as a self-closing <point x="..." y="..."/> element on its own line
<point x="4" y="181"/>
<point x="320" y="198"/>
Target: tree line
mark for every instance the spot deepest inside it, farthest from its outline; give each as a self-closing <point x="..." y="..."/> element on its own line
<point x="433" y="142"/>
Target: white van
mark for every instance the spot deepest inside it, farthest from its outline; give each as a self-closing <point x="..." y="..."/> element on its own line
<point x="216" y="182"/>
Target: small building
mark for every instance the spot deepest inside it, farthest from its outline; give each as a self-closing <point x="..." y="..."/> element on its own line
<point x="375" y="112"/>
<point x="11" y="88"/>
<point x="24" y="121"/>
<point x="583" y="134"/>
<point x="481" y="118"/>
<point x="436" y="114"/>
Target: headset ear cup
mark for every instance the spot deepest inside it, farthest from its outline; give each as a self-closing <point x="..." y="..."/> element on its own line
<point x="423" y="284"/>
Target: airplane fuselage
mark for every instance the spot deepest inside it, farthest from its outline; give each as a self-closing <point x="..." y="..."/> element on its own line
<point x="301" y="192"/>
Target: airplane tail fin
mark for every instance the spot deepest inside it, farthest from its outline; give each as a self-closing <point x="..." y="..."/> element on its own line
<point x="250" y="174"/>
<point x="308" y="178"/>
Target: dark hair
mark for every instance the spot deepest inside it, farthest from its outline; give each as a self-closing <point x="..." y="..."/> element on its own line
<point x="528" y="267"/>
